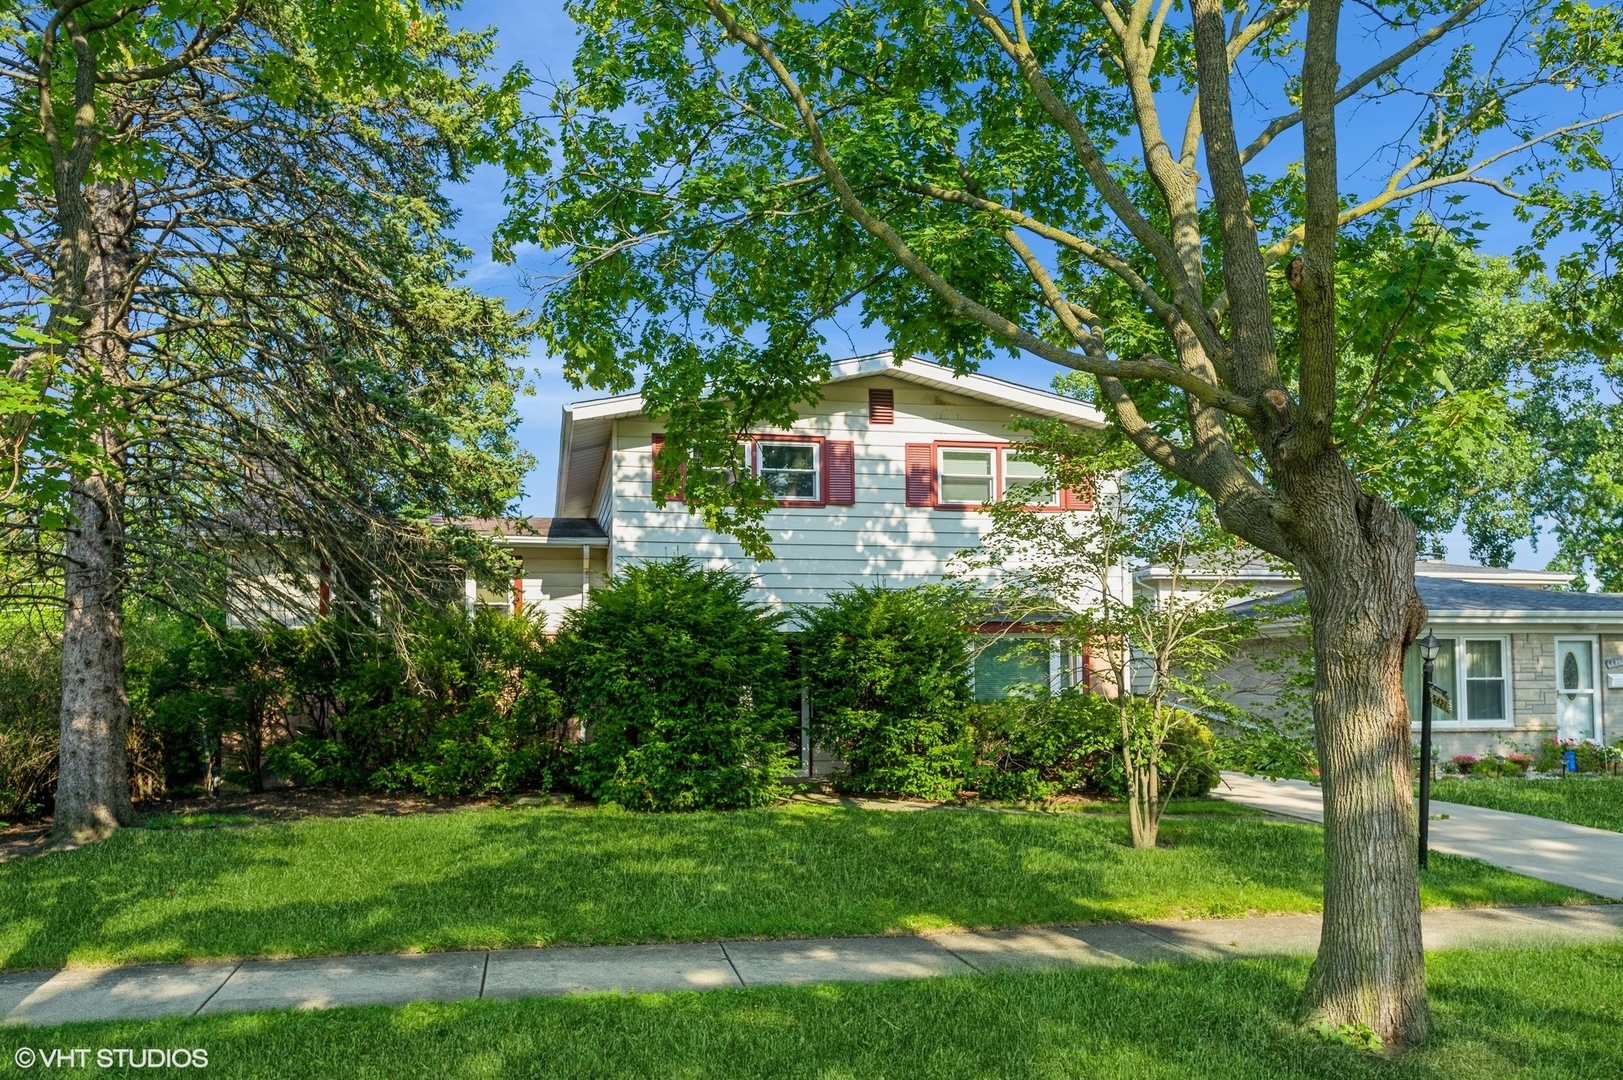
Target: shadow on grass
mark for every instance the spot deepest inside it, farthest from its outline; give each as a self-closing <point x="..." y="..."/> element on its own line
<point x="497" y="878"/>
<point x="1497" y="1015"/>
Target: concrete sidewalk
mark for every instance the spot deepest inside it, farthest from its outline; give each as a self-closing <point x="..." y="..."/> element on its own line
<point x="1572" y="855"/>
<point x="148" y="992"/>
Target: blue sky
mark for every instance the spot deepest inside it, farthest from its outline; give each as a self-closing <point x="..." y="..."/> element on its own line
<point x="541" y="37"/>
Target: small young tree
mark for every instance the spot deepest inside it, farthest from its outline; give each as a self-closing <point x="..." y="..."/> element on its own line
<point x="1156" y="656"/>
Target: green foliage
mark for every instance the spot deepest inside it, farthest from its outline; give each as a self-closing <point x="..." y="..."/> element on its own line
<point x="888" y="675"/>
<point x="710" y="244"/>
<point x="299" y="370"/>
<point x="682" y="686"/>
<point x="1355" y="1036"/>
<point x="454" y="706"/>
<point x="1280" y="749"/>
<point x="1034" y="748"/>
<point x="465" y="708"/>
<point x="30" y="695"/>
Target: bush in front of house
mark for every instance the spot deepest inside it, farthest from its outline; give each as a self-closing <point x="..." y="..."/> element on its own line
<point x="31" y="703"/>
<point x="887" y="671"/>
<point x="1037" y="747"/>
<point x="1034" y="748"/>
<point x="683" y="687"/>
<point x="457" y="706"/>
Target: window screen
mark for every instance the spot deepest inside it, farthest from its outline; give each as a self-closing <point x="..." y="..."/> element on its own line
<point x="966" y="476"/>
<point x="789" y="469"/>
<point x="1009" y="663"/>
<point x="1025" y="475"/>
<point x="1485" y="680"/>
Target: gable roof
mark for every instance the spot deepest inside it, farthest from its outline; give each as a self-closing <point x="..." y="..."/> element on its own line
<point x="1453" y="601"/>
<point x="583" y="444"/>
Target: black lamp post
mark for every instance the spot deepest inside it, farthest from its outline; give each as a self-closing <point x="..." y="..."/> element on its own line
<point x="1428" y="653"/>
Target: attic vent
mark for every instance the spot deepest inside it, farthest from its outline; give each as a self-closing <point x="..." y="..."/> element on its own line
<point x="881" y="406"/>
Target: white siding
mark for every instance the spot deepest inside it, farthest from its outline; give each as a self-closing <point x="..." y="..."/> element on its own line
<point x="878" y="541"/>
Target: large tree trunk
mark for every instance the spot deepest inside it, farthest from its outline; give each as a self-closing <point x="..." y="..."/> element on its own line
<point x="93" y="786"/>
<point x="1358" y="572"/>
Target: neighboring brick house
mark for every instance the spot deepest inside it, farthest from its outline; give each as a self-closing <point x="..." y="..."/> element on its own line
<point x="1522" y="659"/>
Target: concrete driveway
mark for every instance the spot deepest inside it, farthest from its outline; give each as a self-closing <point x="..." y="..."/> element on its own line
<point x="1572" y="855"/>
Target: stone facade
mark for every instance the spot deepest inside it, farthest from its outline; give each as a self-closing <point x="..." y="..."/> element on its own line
<point x="1611" y="698"/>
<point x="1260" y="683"/>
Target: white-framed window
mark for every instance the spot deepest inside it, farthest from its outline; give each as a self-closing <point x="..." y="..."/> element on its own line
<point x="1027" y="474"/>
<point x="1487" y="682"/>
<point x="968" y="474"/>
<point x="790" y="470"/>
<point x="1473" y="677"/>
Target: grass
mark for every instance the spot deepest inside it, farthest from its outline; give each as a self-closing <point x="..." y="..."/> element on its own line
<point x="1596" y="801"/>
<point x="196" y="821"/>
<point x="544" y="875"/>
<point x="1539" y="1015"/>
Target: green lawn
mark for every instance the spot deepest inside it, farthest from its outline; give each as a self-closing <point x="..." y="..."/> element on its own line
<point x="1596" y="801"/>
<point x="506" y="877"/>
<point x="1551" y="1014"/>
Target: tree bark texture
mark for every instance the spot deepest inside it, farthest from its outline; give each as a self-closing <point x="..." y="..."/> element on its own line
<point x="1143" y="802"/>
<point x="93" y="787"/>
<point x="1357" y="568"/>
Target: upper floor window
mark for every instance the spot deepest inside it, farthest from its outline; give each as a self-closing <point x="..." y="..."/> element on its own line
<point x="799" y="471"/>
<point x="967" y="475"/>
<point x="790" y="469"/>
<point x="1031" y="477"/>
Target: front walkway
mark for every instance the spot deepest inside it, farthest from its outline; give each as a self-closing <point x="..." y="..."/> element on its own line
<point x="1572" y="855"/>
<point x="149" y="992"/>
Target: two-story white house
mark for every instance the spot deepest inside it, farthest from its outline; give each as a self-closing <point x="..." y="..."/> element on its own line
<point x="879" y="483"/>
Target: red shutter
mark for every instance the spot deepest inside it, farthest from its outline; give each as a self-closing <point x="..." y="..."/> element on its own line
<point x="881" y="406"/>
<point x="1078" y="498"/>
<point x="839" y="473"/>
<point x="659" y="443"/>
<point x="921" y="474"/>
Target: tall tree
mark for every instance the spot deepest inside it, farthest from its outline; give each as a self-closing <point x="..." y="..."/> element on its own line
<point x="241" y="368"/>
<point x="1146" y="193"/>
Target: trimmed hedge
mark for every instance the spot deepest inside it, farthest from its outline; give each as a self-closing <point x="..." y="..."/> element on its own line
<point x="683" y="688"/>
<point x="888" y="675"/>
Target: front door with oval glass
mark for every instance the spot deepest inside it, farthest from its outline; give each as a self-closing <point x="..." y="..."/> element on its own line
<point x="1575" y="697"/>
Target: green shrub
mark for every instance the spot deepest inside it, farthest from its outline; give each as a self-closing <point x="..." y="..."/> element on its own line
<point x="682" y="686"/>
<point x="463" y="708"/>
<point x="1591" y="756"/>
<point x="30" y="700"/>
<point x="1033" y="748"/>
<point x="1276" y="749"/>
<point x="1509" y="765"/>
<point x="888" y="675"/>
